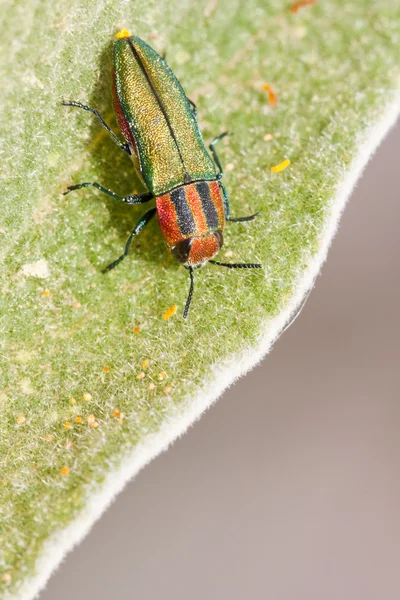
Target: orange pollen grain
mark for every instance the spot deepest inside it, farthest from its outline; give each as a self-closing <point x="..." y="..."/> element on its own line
<point x="283" y="165"/>
<point x="168" y="389"/>
<point x="271" y="94"/>
<point x="67" y="425"/>
<point x="49" y="438"/>
<point x="78" y="419"/>
<point x="170" y="312"/>
<point x="301" y="4"/>
<point x="151" y="386"/>
<point x="124" y="33"/>
<point x="162" y="375"/>
<point x="21" y="419"/>
<point x="91" y="419"/>
<point x="136" y="330"/>
<point x="65" y="471"/>
<point x="140" y="375"/>
<point x="115" y="413"/>
<point x="106" y="369"/>
<point x="94" y="424"/>
<point x="86" y="397"/>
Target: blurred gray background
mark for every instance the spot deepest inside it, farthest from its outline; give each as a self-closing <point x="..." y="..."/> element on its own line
<point x="289" y="487"/>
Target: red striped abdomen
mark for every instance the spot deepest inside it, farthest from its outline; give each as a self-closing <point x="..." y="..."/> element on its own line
<point x="191" y="210"/>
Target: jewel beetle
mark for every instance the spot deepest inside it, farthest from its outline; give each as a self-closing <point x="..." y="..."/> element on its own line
<point x="162" y="137"/>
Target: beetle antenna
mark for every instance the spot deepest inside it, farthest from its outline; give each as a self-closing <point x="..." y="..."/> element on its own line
<point x="236" y="265"/>
<point x="189" y="298"/>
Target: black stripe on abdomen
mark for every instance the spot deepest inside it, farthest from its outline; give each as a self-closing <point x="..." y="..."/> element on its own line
<point x="209" y="210"/>
<point x="183" y="213"/>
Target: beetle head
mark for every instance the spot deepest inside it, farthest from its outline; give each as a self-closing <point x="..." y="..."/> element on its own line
<point x="195" y="251"/>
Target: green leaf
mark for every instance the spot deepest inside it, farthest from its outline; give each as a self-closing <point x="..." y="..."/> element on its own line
<point x="67" y="331"/>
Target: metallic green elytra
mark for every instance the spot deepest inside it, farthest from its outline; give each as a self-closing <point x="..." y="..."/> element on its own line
<point x="159" y="125"/>
<point x="160" y="118"/>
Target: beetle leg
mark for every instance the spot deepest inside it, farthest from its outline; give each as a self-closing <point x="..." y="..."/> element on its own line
<point x="224" y="192"/>
<point x="132" y="199"/>
<point x="122" y="145"/>
<point x="194" y="107"/>
<point x="214" y="152"/>
<point x="137" y="229"/>
<point x="228" y="210"/>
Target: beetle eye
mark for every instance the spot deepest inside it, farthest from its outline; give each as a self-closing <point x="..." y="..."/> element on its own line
<point x="220" y="238"/>
<point x="182" y="250"/>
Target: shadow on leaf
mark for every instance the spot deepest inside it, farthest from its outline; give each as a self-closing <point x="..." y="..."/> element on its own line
<point x="116" y="172"/>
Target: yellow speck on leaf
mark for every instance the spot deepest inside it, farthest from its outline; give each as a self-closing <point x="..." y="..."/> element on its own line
<point x="168" y="389"/>
<point x="152" y="386"/>
<point x="78" y="419"/>
<point x="21" y="419"/>
<point x="67" y="425"/>
<point x="140" y="375"/>
<point x="49" y="437"/>
<point x="271" y="94"/>
<point x="46" y="293"/>
<point x="170" y="312"/>
<point x="145" y="363"/>
<point x="94" y="425"/>
<point x="302" y="4"/>
<point x="72" y="401"/>
<point x="65" y="471"/>
<point x="87" y="397"/>
<point x="124" y="33"/>
<point x="283" y="165"/>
